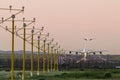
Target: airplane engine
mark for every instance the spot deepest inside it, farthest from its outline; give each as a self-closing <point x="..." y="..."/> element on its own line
<point x="100" y="52"/>
<point x="94" y="53"/>
<point x="76" y="52"/>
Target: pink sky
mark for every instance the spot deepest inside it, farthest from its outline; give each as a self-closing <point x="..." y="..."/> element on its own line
<point x="69" y="20"/>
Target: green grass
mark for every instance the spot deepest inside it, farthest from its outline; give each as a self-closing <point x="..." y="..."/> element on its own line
<point x="67" y="75"/>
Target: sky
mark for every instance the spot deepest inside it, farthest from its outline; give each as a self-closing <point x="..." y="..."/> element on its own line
<point x="69" y="21"/>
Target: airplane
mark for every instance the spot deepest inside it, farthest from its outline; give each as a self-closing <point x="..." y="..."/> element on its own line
<point x="85" y="51"/>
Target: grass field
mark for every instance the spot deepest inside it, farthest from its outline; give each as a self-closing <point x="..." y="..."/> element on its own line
<point x="67" y="75"/>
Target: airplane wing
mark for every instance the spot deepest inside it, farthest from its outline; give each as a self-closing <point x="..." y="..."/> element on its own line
<point x="88" y="51"/>
<point x="98" y="51"/>
<point x="76" y="52"/>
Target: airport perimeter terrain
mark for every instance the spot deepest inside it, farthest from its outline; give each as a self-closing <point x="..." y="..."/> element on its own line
<point x="90" y="74"/>
<point x="64" y="73"/>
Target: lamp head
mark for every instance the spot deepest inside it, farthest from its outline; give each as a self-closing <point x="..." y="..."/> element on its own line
<point x="32" y="31"/>
<point x="42" y="28"/>
<point x="52" y="39"/>
<point x="38" y="37"/>
<point x="10" y="7"/>
<point x="24" y="24"/>
<point x="34" y="19"/>
<point x="48" y="34"/>
<point x="23" y="8"/>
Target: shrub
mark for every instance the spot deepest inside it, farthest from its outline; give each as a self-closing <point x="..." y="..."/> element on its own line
<point x="57" y="75"/>
<point x="41" y="79"/>
<point x="107" y="75"/>
<point x="1" y="69"/>
<point x="116" y="71"/>
<point x="64" y="75"/>
<point x="75" y="75"/>
<point x="7" y="69"/>
<point x="82" y="69"/>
